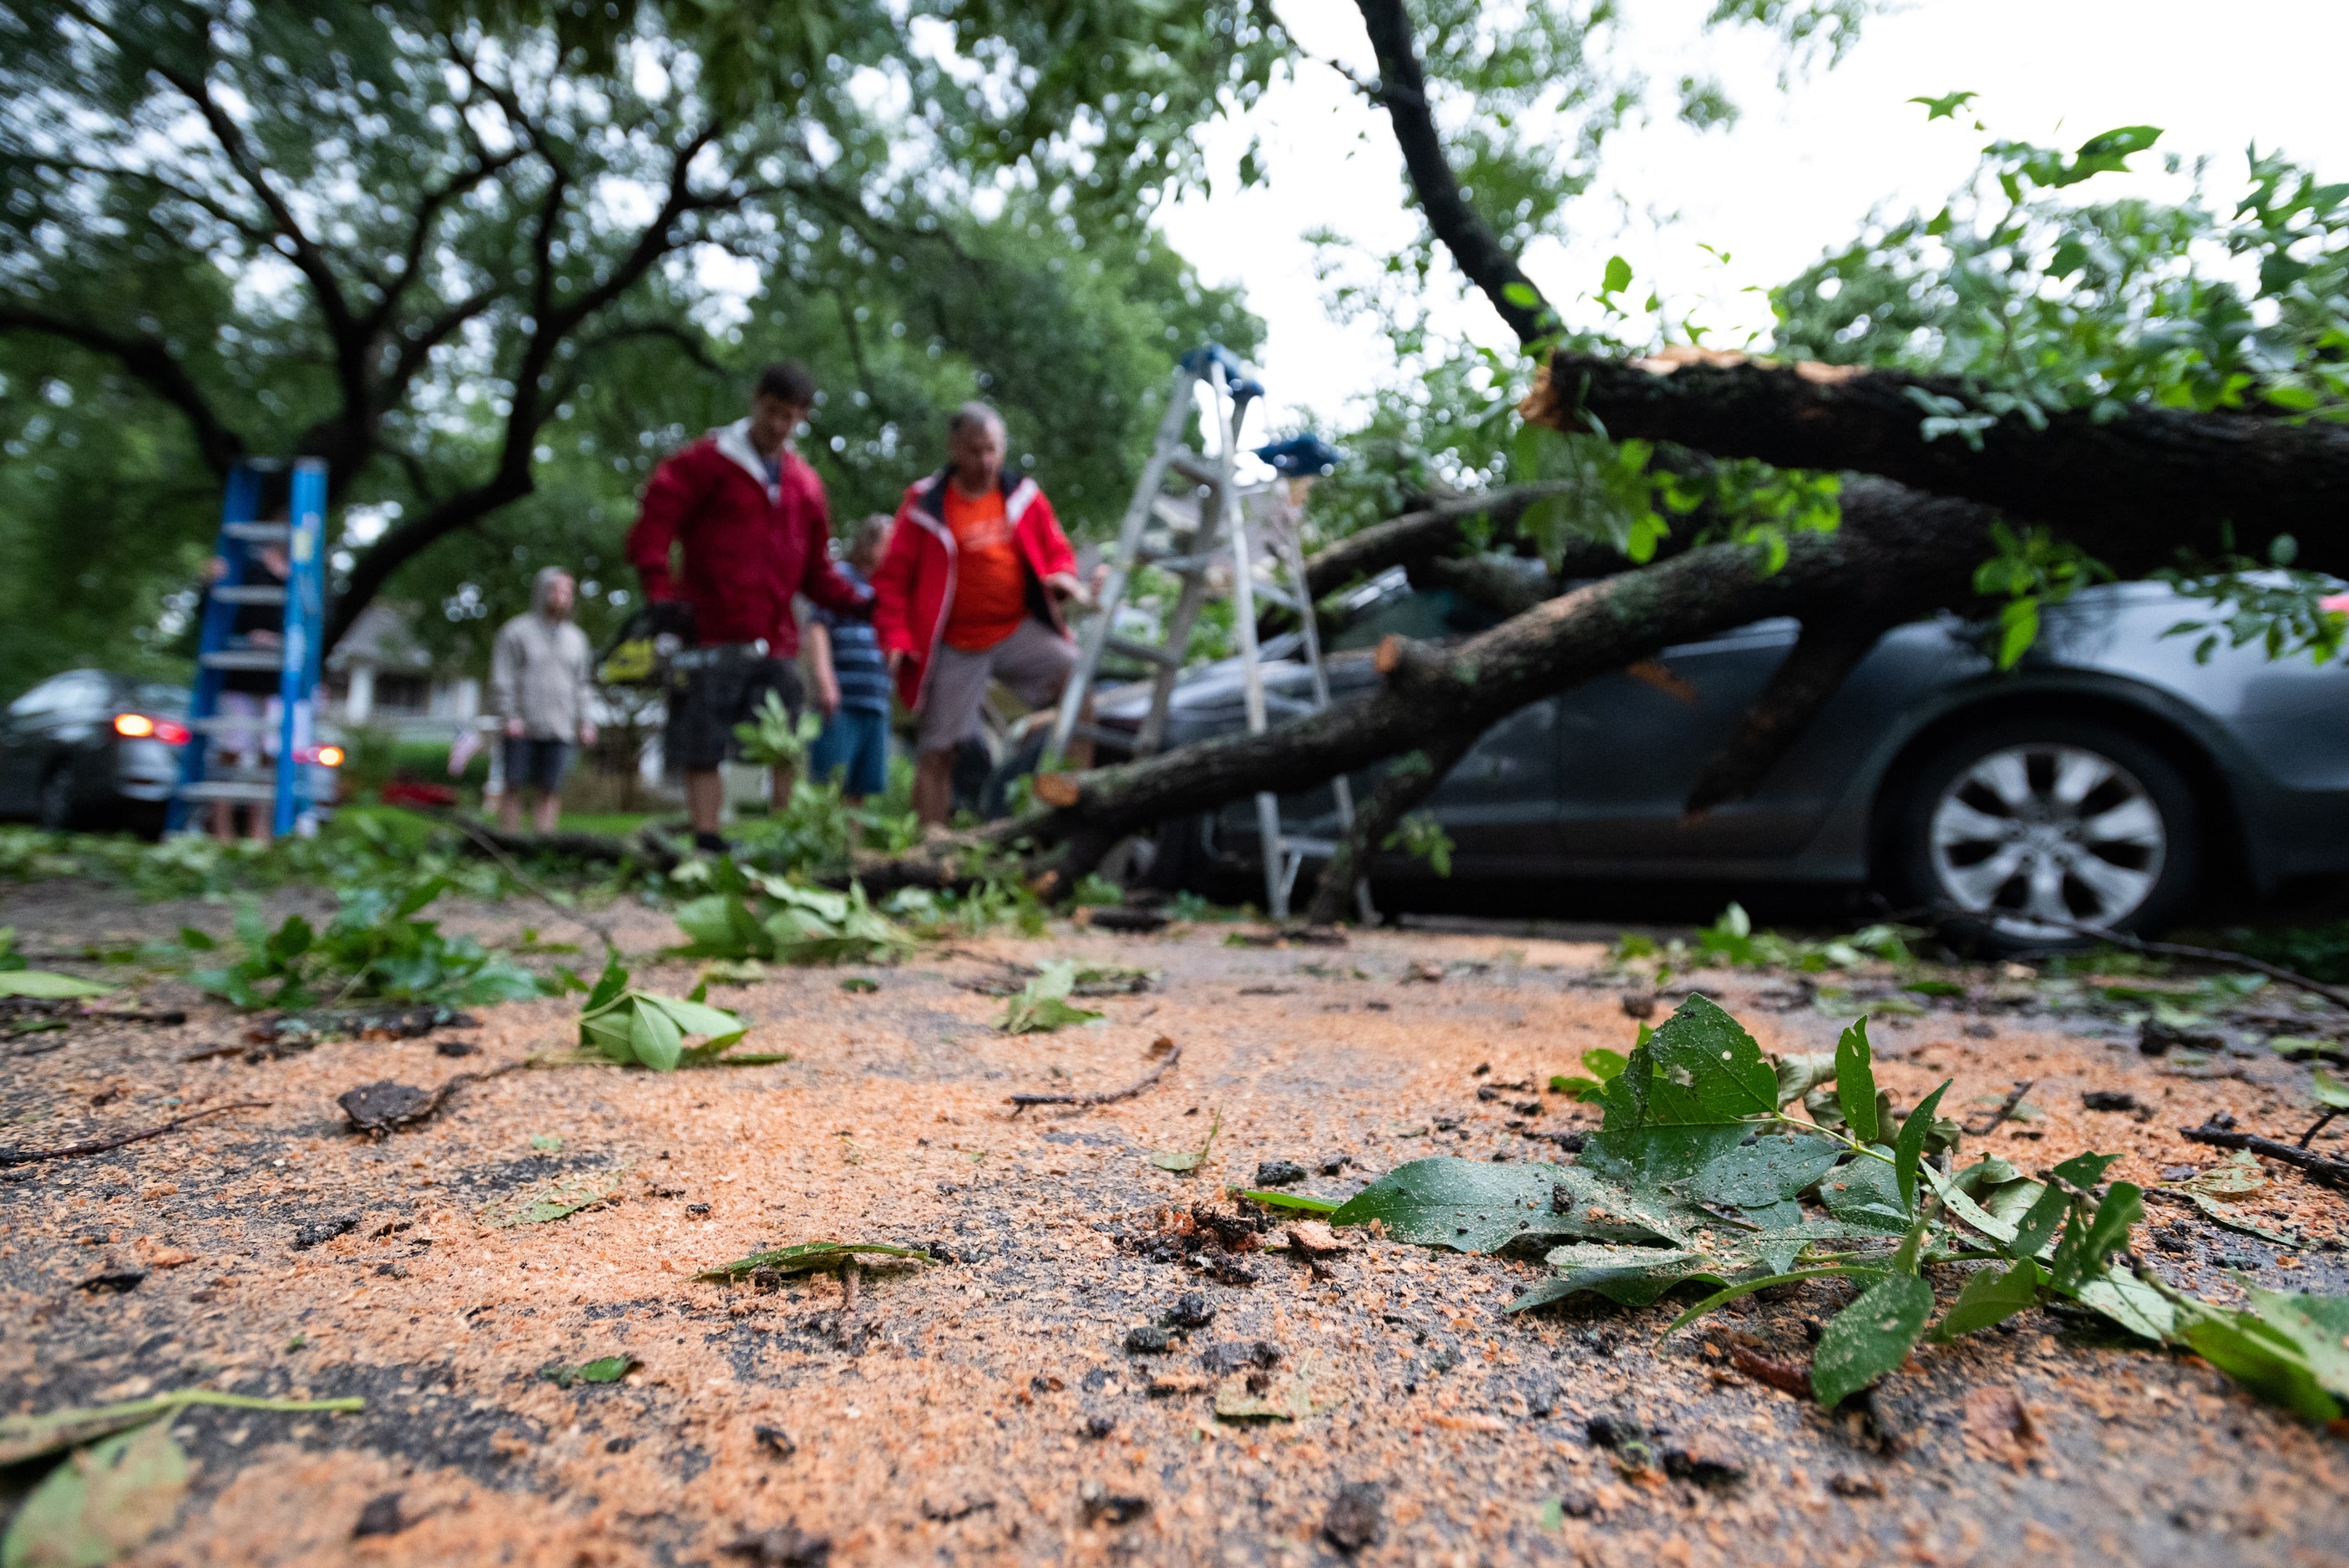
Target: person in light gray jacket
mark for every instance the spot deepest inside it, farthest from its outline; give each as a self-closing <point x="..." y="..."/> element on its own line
<point x="539" y="672"/>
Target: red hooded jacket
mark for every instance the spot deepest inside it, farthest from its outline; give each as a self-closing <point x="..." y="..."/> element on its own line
<point x="748" y="545"/>
<point x="913" y="588"/>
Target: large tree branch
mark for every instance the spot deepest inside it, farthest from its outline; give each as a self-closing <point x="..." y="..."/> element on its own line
<point x="1410" y="781"/>
<point x="2160" y="474"/>
<point x="530" y="404"/>
<point x="1830" y="648"/>
<point x="1891" y="535"/>
<point x="1403" y="90"/>
<point x="151" y="361"/>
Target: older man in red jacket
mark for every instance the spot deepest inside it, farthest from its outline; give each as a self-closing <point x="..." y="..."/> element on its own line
<point x="969" y="593"/>
<point x="749" y="518"/>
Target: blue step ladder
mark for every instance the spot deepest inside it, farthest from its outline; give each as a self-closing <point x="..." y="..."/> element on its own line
<point x="298" y="786"/>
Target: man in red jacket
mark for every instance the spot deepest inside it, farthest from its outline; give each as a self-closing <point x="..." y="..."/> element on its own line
<point x="749" y="518"/>
<point x="969" y="593"/>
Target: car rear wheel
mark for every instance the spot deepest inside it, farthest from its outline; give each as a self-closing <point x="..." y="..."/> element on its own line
<point x="2029" y="830"/>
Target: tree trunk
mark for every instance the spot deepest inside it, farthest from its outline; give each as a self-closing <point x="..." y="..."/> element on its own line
<point x="2164" y="475"/>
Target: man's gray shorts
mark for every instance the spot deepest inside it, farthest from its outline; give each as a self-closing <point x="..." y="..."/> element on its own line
<point x="1033" y="661"/>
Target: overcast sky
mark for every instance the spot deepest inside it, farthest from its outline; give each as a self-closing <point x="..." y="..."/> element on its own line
<point x="1796" y="175"/>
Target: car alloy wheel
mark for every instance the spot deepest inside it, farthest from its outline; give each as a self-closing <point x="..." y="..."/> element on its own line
<point x="2045" y="836"/>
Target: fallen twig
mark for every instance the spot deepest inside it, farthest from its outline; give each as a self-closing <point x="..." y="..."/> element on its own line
<point x="101" y="1146"/>
<point x="2332" y="993"/>
<point x="1991" y="1119"/>
<point x="2319" y="1168"/>
<point x="2318" y="1125"/>
<point x="1783" y="1375"/>
<point x="1022" y="1101"/>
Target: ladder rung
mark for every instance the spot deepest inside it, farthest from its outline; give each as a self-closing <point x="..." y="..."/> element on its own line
<point x="257" y="532"/>
<point x="1311" y="848"/>
<point x="244" y="659"/>
<point x="223" y="774"/>
<point x="1134" y="650"/>
<point x="1195" y="469"/>
<point x="1182" y="565"/>
<point x="240" y="595"/>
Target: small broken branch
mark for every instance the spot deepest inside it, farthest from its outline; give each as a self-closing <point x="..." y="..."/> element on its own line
<point x="1020" y="1102"/>
<point x="1990" y="1120"/>
<point x="2318" y="1168"/>
<point x="2332" y="993"/>
<point x="1410" y="781"/>
<point x="1830" y="648"/>
<point x="103" y="1145"/>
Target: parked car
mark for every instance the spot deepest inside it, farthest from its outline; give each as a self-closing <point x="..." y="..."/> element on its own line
<point x="2109" y="780"/>
<point x="89" y="749"/>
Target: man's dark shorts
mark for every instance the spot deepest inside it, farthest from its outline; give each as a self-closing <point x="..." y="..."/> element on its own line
<point x="536" y="764"/>
<point x="717" y="697"/>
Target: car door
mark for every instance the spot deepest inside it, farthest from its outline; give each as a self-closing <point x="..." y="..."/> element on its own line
<point x="1501" y="803"/>
<point x="1630" y="744"/>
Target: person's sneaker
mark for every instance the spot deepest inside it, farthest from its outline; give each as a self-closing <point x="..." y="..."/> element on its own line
<point x="710" y="844"/>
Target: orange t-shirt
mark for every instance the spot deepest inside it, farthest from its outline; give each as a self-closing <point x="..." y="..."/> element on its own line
<point x="990" y="596"/>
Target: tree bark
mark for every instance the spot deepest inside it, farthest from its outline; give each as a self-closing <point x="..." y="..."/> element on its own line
<point x="1402" y="90"/>
<point x="1889" y="534"/>
<point x="2160" y="474"/>
<point x="1830" y="648"/>
<point x="1411" y="779"/>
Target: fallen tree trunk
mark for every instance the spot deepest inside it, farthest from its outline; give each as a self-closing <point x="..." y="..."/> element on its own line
<point x="1928" y="545"/>
<point x="2165" y="473"/>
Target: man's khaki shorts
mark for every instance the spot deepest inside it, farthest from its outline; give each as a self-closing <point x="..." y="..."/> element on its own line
<point x="1033" y="661"/>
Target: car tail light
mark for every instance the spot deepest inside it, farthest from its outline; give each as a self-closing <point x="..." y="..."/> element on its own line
<point x="323" y="756"/>
<point x="140" y="726"/>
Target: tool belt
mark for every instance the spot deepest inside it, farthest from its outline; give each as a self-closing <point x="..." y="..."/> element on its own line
<point x="718" y="656"/>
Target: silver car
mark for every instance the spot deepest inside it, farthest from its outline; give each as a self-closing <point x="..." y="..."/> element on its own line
<point x="2109" y="780"/>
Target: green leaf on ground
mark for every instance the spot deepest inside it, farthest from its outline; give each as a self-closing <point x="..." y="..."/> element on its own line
<point x="1865" y="1192"/>
<point x="48" y="985"/>
<point x="555" y="1200"/>
<point x="1990" y="1298"/>
<point x="1297" y="1201"/>
<point x="1870" y="1337"/>
<point x="1042" y="1005"/>
<point x="1856" y="1083"/>
<point x="1472" y="1206"/>
<point x="1909" y="1145"/>
<point x="610" y="1369"/>
<point x="2082" y="1249"/>
<point x="1306" y="1390"/>
<point x="859" y="984"/>
<point x="1182" y="1161"/>
<point x="644" y="1028"/>
<point x="102" y="1503"/>
<point x="25" y="1437"/>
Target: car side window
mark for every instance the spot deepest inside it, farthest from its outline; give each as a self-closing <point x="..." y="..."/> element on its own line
<point x="42" y="699"/>
<point x="87" y="694"/>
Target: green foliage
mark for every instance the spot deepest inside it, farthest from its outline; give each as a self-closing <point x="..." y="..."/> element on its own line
<point x="420" y="147"/>
<point x="1681" y="1186"/>
<point x="644" y="1028"/>
<point x="2030" y="569"/>
<point x="373" y="949"/>
<point x="1043" y="1006"/>
<point x="753" y="914"/>
<point x="1183" y="1161"/>
<point x="47" y="985"/>
<point x="557" y="1198"/>
<point x="1732" y="942"/>
<point x="607" y="1369"/>
<point x="1854" y="1081"/>
<point x="774" y="739"/>
<point x="102" y="1503"/>
<point x="29" y="1437"/>
<point x="1602" y="1066"/>
<point x="1422" y="837"/>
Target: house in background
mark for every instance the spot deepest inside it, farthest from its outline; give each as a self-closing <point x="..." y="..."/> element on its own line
<point x="378" y="677"/>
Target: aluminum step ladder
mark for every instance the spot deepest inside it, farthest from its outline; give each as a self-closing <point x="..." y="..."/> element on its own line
<point x="298" y="784"/>
<point x="1186" y="533"/>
